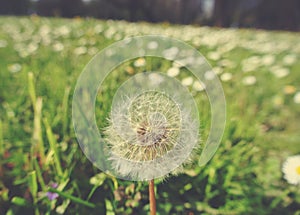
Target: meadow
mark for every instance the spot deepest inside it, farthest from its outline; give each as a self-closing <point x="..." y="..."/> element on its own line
<point x="43" y="170"/>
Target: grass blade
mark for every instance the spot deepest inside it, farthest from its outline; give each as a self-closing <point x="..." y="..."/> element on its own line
<point x="53" y="147"/>
<point x="37" y="131"/>
<point x="1" y="139"/>
<point x="72" y="198"/>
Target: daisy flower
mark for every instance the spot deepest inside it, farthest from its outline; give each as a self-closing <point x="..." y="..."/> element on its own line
<point x="291" y="169"/>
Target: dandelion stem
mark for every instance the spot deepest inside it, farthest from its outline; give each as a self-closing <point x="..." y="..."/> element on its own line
<point x="152" y="198"/>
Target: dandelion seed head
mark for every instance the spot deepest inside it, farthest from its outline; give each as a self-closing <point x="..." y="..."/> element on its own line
<point x="151" y="134"/>
<point x="154" y="128"/>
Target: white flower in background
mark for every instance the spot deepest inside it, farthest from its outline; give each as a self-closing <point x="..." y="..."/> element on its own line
<point x="249" y="80"/>
<point x="3" y="43"/>
<point x="289" y="59"/>
<point x="218" y="70"/>
<point x="251" y="64"/>
<point x="291" y="169"/>
<point x="93" y="51"/>
<point x="139" y="62"/>
<point x="198" y="86"/>
<point x="173" y="71"/>
<point x="152" y="45"/>
<point x="58" y="47"/>
<point x="297" y="98"/>
<point x="32" y="47"/>
<point x="268" y="60"/>
<point x="277" y="101"/>
<point x="63" y="31"/>
<point x="226" y="77"/>
<point x="98" y="29"/>
<point x="209" y="75"/>
<point x="44" y="30"/>
<point x="80" y="50"/>
<point x="213" y="56"/>
<point x="227" y="63"/>
<point x="170" y="53"/>
<point x="188" y="81"/>
<point x="280" y="72"/>
<point x="14" y="68"/>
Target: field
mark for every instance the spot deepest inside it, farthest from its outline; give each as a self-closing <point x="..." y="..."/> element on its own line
<point x="40" y="61"/>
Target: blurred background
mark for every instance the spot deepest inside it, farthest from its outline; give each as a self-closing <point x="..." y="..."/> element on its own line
<point x="264" y="14"/>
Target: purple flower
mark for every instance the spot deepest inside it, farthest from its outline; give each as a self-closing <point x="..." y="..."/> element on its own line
<point x="51" y="196"/>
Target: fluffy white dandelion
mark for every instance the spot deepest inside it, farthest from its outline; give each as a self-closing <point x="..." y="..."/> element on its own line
<point x="291" y="169"/>
<point x="154" y="136"/>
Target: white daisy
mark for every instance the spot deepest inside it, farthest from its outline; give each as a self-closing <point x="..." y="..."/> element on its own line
<point x="291" y="169"/>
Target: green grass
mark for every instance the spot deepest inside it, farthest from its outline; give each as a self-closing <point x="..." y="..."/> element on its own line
<point x="40" y="61"/>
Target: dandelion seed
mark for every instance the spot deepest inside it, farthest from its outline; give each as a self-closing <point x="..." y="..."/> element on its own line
<point x="291" y="169"/>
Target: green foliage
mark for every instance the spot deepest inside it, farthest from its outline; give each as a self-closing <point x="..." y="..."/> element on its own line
<point x="40" y="60"/>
